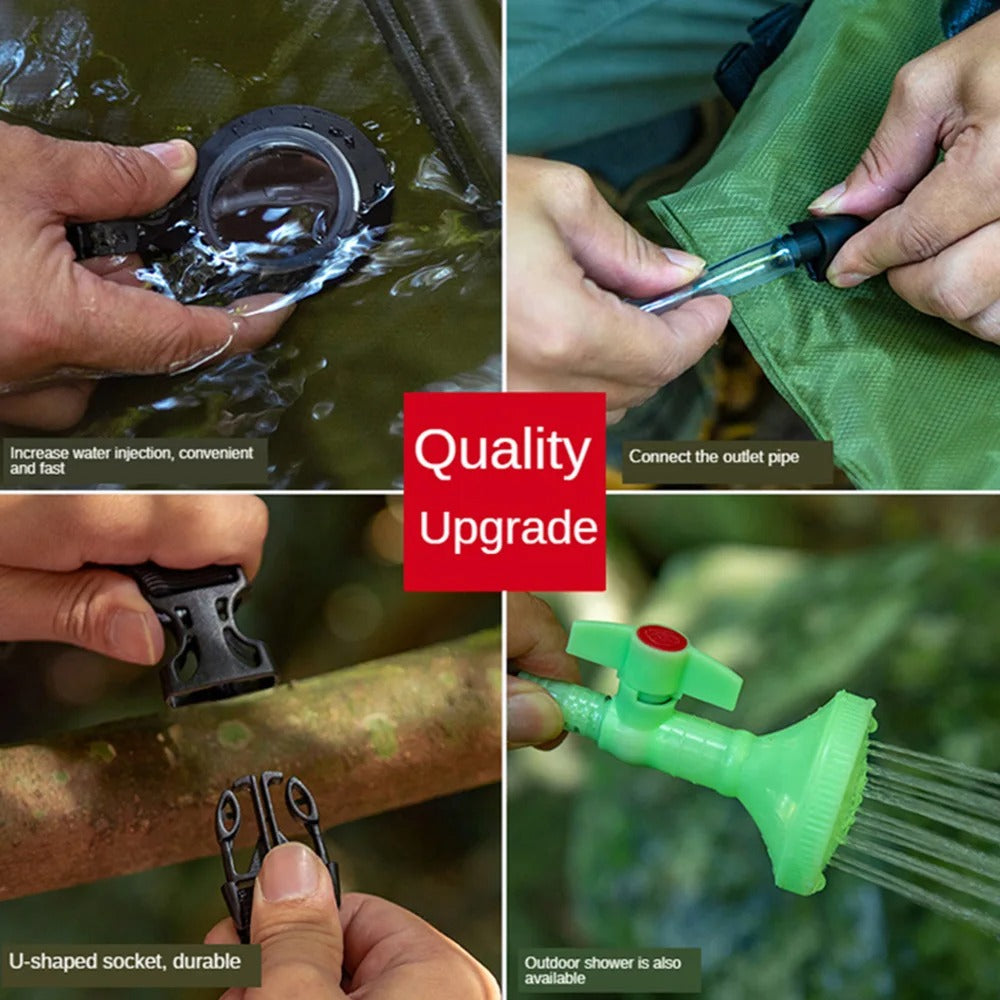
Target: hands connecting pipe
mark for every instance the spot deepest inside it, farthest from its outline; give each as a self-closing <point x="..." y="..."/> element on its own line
<point x="935" y="234"/>
<point x="571" y="260"/>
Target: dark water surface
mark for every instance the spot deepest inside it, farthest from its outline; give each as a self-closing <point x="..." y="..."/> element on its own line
<point x="327" y="391"/>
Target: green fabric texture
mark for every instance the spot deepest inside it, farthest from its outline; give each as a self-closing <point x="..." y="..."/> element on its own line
<point x="908" y="401"/>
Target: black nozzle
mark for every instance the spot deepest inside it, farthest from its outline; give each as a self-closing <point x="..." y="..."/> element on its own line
<point x="815" y="242"/>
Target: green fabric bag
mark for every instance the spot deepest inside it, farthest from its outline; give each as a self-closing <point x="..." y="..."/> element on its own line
<point x="908" y="401"/>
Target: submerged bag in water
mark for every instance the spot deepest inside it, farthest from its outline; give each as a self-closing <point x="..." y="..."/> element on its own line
<point x="908" y="401"/>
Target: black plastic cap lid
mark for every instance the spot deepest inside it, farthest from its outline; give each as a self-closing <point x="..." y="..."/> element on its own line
<point x="815" y="242"/>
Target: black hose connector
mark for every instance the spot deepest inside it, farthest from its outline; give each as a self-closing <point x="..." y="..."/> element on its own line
<point x="815" y="242"/>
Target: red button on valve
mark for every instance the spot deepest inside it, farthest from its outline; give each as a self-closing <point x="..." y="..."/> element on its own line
<point x="662" y="638"/>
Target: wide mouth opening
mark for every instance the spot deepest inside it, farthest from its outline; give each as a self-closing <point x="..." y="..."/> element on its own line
<point x="281" y="199"/>
<point x="284" y="200"/>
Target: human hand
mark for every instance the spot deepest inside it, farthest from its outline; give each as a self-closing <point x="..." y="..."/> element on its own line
<point x="936" y="228"/>
<point x="49" y="592"/>
<point x="571" y="258"/>
<point x="62" y="318"/>
<point x="536" y="643"/>
<point x="371" y="949"/>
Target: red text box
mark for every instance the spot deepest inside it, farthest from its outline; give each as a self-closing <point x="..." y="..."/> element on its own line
<point x="504" y="491"/>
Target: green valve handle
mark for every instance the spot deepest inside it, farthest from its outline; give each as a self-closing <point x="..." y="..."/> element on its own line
<point x="801" y="785"/>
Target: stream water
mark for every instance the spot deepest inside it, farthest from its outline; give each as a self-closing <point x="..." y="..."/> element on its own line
<point x="929" y="829"/>
<point x="425" y="311"/>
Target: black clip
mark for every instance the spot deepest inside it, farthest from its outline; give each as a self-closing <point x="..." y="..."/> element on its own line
<point x="213" y="659"/>
<point x="238" y="889"/>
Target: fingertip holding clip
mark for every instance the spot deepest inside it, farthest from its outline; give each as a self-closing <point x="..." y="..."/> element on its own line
<point x="238" y="888"/>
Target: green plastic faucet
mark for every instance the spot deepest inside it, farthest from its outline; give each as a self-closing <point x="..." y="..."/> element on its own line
<point x="801" y="785"/>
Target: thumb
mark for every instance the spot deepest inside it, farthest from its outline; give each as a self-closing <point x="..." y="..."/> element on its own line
<point x="90" y="181"/>
<point x="296" y="923"/>
<point x="614" y="254"/>
<point x="902" y="150"/>
<point x="97" y="609"/>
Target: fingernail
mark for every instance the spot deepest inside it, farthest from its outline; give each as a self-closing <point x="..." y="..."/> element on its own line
<point x="203" y="356"/>
<point x="258" y="305"/>
<point x="174" y="155"/>
<point x="849" y="279"/>
<point x="132" y="636"/>
<point x="829" y="198"/>
<point x="290" y="871"/>
<point x="533" y="715"/>
<point x="689" y="261"/>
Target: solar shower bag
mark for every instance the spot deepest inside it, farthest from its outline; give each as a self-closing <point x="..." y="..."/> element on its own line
<point x="908" y="401"/>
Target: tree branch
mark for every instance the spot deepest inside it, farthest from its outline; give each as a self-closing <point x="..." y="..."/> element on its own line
<point x="140" y="793"/>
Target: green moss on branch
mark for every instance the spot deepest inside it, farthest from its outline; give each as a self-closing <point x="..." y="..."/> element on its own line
<point x="141" y="793"/>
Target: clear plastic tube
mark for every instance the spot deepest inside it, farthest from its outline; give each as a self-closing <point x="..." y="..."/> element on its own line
<point x="729" y="277"/>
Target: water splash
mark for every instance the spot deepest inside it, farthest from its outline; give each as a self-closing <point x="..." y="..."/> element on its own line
<point x="926" y="831"/>
<point x="433" y="175"/>
<point x="206" y="275"/>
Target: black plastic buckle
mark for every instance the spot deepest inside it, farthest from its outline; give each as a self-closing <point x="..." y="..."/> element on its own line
<point x="213" y="659"/>
<point x="238" y="888"/>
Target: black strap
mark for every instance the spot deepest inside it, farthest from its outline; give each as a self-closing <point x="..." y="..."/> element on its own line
<point x="743" y="63"/>
<point x="957" y="15"/>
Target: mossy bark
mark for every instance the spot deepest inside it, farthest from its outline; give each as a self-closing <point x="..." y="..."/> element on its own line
<point x="141" y="793"/>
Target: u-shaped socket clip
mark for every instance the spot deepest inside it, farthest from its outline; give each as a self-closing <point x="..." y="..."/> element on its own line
<point x="237" y="890"/>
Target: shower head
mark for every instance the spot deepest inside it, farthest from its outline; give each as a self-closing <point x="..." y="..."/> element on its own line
<point x="801" y="785"/>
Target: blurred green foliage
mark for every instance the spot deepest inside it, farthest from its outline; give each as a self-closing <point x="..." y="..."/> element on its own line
<point x="887" y="596"/>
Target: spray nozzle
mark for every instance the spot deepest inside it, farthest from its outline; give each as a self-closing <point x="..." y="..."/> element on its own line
<point x="801" y="785"/>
